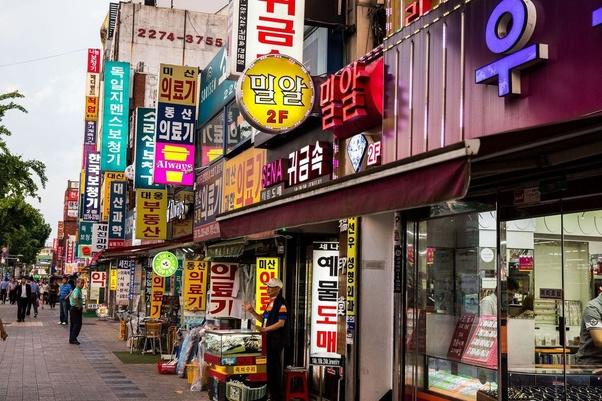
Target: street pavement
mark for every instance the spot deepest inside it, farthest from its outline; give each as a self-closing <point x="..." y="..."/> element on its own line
<point x="38" y="364"/>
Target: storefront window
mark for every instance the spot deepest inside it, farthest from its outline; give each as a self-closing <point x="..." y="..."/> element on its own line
<point x="451" y="330"/>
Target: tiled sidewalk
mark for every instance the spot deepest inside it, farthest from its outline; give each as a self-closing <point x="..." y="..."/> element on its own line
<point x="38" y="364"/>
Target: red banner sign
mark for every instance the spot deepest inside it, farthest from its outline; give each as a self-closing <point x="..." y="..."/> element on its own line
<point x="94" y="60"/>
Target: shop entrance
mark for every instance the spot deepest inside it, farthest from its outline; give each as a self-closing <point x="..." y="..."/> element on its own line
<point x="553" y="266"/>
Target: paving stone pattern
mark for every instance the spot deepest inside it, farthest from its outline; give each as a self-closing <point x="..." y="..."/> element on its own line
<point x="38" y="364"/>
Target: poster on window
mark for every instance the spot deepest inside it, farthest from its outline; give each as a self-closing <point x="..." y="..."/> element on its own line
<point x="224" y="290"/>
<point x="324" y="293"/>
<point x="123" y="286"/>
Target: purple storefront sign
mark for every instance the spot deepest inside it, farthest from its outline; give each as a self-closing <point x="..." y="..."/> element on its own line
<point x="207" y="203"/>
<point x="174" y="164"/>
<point x="454" y="95"/>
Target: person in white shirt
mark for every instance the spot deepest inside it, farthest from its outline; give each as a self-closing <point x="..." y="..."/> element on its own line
<point x="488" y="305"/>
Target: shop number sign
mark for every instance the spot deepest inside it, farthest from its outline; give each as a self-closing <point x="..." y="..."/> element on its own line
<point x="165" y="264"/>
<point x="275" y="94"/>
<point x="245" y="370"/>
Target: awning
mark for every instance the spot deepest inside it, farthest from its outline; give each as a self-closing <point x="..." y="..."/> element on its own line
<point x="434" y="177"/>
<point x="144" y="250"/>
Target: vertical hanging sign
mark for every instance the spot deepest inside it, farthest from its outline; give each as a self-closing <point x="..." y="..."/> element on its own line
<point x="222" y="290"/>
<point x="195" y="285"/>
<point x="176" y="116"/>
<point x="117" y="213"/>
<point x="351" y="309"/>
<point x="266" y="269"/>
<point x="116" y="106"/>
<point x="91" y="203"/>
<point x="145" y="148"/>
<point x="157" y="290"/>
<point x="151" y="214"/>
<point x="324" y="293"/>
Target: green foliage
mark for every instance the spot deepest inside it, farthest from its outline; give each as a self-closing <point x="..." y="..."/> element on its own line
<point x="22" y="227"/>
<point x="18" y="177"/>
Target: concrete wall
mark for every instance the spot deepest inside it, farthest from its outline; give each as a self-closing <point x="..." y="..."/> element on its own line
<point x="375" y="364"/>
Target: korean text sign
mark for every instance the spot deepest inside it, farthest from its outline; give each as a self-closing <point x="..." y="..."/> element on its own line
<point x="351" y="298"/>
<point x="263" y="27"/>
<point x="145" y="148"/>
<point x="195" y="285"/>
<point x="157" y="291"/>
<point x="275" y="94"/>
<point x="324" y="293"/>
<point x="242" y="179"/>
<point x="216" y="90"/>
<point x="223" y="289"/>
<point x="208" y="199"/>
<point x="117" y="210"/>
<point x="266" y="268"/>
<point x="91" y="204"/>
<point x="115" y="122"/>
<point x="113" y="280"/>
<point x="151" y="214"/>
<point x="123" y="286"/>
<point x="176" y="116"/>
<point x="107" y="179"/>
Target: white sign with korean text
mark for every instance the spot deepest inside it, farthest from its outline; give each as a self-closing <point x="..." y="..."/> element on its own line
<point x="262" y="27"/>
<point x="324" y="300"/>
<point x="100" y="237"/>
<point x="123" y="286"/>
<point x="224" y="290"/>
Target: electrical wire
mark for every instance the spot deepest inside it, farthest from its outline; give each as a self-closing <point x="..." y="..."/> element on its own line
<point x="41" y="58"/>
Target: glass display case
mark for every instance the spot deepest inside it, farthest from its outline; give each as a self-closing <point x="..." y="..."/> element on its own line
<point x="459" y="380"/>
<point x="224" y="343"/>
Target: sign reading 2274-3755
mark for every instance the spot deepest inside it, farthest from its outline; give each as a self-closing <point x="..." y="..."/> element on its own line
<point x="275" y="94"/>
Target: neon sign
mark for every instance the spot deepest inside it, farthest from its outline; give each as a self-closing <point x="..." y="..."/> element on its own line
<point x="597" y="17"/>
<point x="509" y="29"/>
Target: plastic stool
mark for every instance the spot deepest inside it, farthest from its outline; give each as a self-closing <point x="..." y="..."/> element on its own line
<point x="291" y="374"/>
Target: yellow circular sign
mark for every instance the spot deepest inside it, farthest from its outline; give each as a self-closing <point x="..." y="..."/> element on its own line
<point x="275" y="93"/>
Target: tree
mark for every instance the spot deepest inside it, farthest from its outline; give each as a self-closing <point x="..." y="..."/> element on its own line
<point x="18" y="177"/>
<point x="23" y="228"/>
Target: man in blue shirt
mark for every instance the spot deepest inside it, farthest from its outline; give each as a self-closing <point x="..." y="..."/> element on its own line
<point x="4" y="290"/>
<point x="64" y="291"/>
<point x="35" y="296"/>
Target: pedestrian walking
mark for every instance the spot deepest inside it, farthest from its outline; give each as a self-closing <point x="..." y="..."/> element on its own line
<point x="4" y="290"/>
<point x="275" y="327"/>
<point x="53" y="292"/>
<point x="12" y="291"/>
<point x="43" y="293"/>
<point x="64" y="290"/>
<point x="23" y="294"/>
<point x="76" y="301"/>
<point x="35" y="297"/>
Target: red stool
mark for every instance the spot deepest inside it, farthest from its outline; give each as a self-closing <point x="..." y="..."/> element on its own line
<point x="290" y="374"/>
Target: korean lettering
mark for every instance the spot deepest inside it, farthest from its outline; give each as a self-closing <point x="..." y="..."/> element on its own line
<point x="222" y="288"/>
<point x="276" y="27"/>
<point x="311" y="161"/>
<point x="117" y="210"/>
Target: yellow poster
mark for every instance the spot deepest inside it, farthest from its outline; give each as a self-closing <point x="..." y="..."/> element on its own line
<point x="352" y="230"/>
<point x="195" y="285"/>
<point x="178" y="84"/>
<point x="91" y="108"/>
<point x="105" y="202"/>
<point x="113" y="280"/>
<point x="242" y="179"/>
<point x="157" y="290"/>
<point x="151" y="214"/>
<point x="265" y="269"/>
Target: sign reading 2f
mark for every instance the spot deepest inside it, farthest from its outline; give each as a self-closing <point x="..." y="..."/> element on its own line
<point x="509" y="29"/>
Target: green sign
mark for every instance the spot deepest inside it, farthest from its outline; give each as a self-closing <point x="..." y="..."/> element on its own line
<point x="165" y="264"/>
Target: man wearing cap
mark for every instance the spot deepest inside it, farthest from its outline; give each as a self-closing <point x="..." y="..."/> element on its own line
<point x="274" y="321"/>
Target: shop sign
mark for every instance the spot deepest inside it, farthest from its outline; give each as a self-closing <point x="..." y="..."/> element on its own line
<point x="325" y="292"/>
<point x="305" y="168"/>
<point x="151" y="214"/>
<point x="216" y="89"/>
<point x="165" y="264"/>
<point x="93" y="85"/>
<point x="107" y="179"/>
<point x="242" y="179"/>
<point x="117" y="213"/>
<point x="60" y="254"/>
<point x="72" y="209"/>
<point x="351" y="264"/>
<point x="266" y="269"/>
<point x="208" y="198"/>
<point x="97" y="281"/>
<point x="265" y="27"/>
<point x="527" y="196"/>
<point x="157" y="291"/>
<point x="70" y="250"/>
<point x="195" y="285"/>
<point x="94" y="61"/>
<point x="374" y="154"/>
<point x="130" y="225"/>
<point x="123" y="286"/>
<point x="237" y="128"/>
<point x="132" y="287"/>
<point x="181" y="213"/>
<point x="212" y="139"/>
<point x="176" y="115"/>
<point x="550" y="293"/>
<point x="275" y="94"/>
<point x="222" y="291"/>
<point x="100" y="237"/>
<point x="113" y="279"/>
<point x="145" y="148"/>
<point x="356" y="148"/>
<point x="460" y="337"/>
<point x="91" y="204"/>
<point x="61" y="230"/>
<point x="115" y="115"/>
<point x="90" y="133"/>
<point x="352" y="99"/>
<point x="517" y="19"/>
<point x="91" y="108"/>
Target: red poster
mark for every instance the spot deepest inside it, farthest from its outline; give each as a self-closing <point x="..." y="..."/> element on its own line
<point x="482" y="348"/>
<point x="461" y="336"/>
<point x="94" y="61"/>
